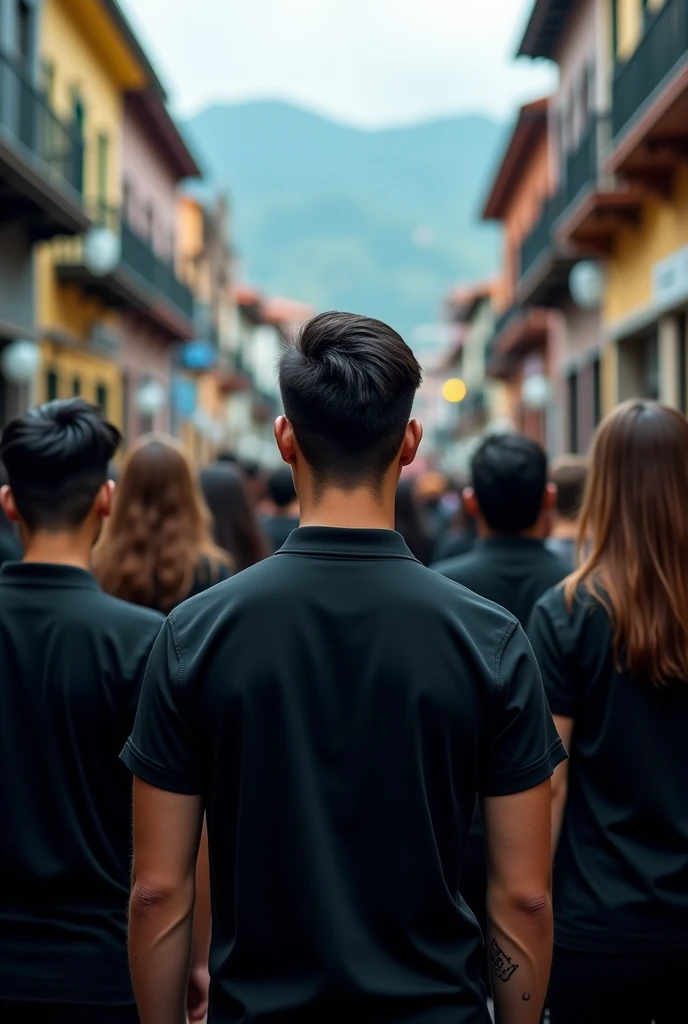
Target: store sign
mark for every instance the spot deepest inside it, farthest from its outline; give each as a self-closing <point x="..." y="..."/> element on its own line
<point x="198" y="355"/>
<point x="184" y="397"/>
<point x="670" y="279"/>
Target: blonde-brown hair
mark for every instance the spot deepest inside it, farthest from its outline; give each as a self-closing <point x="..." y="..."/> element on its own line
<point x="160" y="531"/>
<point x="635" y="520"/>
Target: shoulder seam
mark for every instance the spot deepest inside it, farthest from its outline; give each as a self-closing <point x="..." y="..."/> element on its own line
<point x="511" y="629"/>
<point x="172" y="626"/>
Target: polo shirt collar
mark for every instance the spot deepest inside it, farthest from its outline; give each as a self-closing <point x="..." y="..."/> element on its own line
<point x="47" y="574"/>
<point x="335" y="542"/>
<point x="509" y="542"/>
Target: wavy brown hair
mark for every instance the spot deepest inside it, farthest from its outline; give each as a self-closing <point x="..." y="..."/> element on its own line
<point x="160" y="531"/>
<point x="635" y="518"/>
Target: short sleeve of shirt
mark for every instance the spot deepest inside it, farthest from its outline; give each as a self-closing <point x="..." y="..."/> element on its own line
<point x="524" y="747"/>
<point x="547" y="633"/>
<point x="161" y="749"/>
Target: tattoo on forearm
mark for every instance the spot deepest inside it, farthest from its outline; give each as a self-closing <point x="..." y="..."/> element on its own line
<point x="502" y="965"/>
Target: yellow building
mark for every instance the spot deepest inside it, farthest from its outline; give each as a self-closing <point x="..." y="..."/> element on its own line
<point x="90" y="59"/>
<point x="646" y="293"/>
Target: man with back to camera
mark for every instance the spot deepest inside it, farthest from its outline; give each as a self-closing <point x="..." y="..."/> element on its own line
<point x="335" y="710"/>
<point x="512" y="502"/>
<point x="284" y="517"/>
<point x="72" y="660"/>
<point x="569" y="474"/>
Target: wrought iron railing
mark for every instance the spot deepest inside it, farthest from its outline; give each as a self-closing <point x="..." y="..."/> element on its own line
<point x="27" y="117"/>
<point x="663" y="46"/>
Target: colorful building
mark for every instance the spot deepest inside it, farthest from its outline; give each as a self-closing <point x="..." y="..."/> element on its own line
<point x="110" y="305"/>
<point x="41" y="192"/>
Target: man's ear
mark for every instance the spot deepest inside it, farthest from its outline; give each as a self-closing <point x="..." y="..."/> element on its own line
<point x="549" y="498"/>
<point x="286" y="440"/>
<point x="412" y="439"/>
<point x="8" y="504"/>
<point x="471" y="502"/>
<point x="104" y="497"/>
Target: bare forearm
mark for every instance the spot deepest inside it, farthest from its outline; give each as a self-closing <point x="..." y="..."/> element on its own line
<point x="520" y="955"/>
<point x="160" y="944"/>
<point x="202" y="917"/>
<point x="559" y="797"/>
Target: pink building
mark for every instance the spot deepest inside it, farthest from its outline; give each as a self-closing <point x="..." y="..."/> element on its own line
<point x="155" y="159"/>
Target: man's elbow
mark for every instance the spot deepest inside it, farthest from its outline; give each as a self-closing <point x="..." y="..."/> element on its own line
<point x="149" y="898"/>
<point x="532" y="904"/>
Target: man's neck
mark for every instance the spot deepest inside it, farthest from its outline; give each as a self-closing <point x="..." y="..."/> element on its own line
<point x="565" y="529"/>
<point x="535" y="533"/>
<point x="59" y="549"/>
<point x="360" y="509"/>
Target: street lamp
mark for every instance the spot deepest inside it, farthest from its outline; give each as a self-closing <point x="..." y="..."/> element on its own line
<point x="586" y="284"/>
<point x="536" y="391"/>
<point x="454" y="390"/>
<point x="150" y="398"/>
<point x="20" y="360"/>
<point x="102" y="251"/>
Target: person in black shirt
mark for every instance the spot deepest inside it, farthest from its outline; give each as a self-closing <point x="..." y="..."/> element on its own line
<point x="72" y="663"/>
<point x="613" y="649"/>
<point x="335" y="710"/>
<point x="284" y="517"/>
<point x="236" y="526"/>
<point x="511" y="502"/>
<point x="157" y="550"/>
<point x="569" y="473"/>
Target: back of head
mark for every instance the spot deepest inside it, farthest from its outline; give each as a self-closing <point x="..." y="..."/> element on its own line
<point x="281" y="490"/>
<point x="56" y="458"/>
<point x="235" y="524"/>
<point x="160" y="527"/>
<point x="634" y="515"/>
<point x="509" y="477"/>
<point x="569" y="473"/>
<point x="348" y="384"/>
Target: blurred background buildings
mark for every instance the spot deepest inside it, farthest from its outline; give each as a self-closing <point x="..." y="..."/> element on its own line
<point x="120" y="279"/>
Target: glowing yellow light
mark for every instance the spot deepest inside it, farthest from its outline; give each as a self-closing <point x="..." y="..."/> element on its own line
<point x="454" y="390"/>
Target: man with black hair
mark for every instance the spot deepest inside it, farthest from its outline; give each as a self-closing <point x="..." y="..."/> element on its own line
<point x="511" y="501"/>
<point x="569" y="474"/>
<point x="72" y="660"/>
<point x="335" y="710"/>
<point x="284" y="517"/>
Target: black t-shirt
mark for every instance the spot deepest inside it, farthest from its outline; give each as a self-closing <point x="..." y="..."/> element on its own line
<point x="71" y="661"/>
<point x="621" y="870"/>
<point x="339" y="706"/>
<point x="511" y="571"/>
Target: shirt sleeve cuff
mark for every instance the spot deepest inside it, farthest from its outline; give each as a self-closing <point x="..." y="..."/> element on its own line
<point x="529" y="777"/>
<point x="155" y="775"/>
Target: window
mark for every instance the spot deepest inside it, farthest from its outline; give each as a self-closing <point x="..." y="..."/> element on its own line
<point x="573" y="412"/>
<point x="597" y="392"/>
<point x="615" y="29"/>
<point x="48" y="79"/>
<point x="24" y="25"/>
<point x="127" y="199"/>
<point x="52" y="386"/>
<point x="103" y="174"/>
<point x="102" y="398"/>
<point x="76" y="387"/>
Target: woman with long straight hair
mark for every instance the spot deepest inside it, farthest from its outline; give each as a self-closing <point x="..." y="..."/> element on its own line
<point x="612" y="643"/>
<point x="235" y="524"/>
<point x="157" y="549"/>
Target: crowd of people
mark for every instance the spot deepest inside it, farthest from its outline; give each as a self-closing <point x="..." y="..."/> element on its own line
<point x="363" y="717"/>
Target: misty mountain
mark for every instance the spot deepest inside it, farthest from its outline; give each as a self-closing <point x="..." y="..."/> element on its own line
<point x="381" y="222"/>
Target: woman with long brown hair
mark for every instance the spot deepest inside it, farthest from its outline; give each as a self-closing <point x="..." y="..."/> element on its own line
<point x="157" y="549"/>
<point x="613" y="649"/>
<point x="236" y="527"/>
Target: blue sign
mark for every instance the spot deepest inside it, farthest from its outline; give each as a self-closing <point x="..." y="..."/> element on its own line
<point x="198" y="355"/>
<point x="184" y="397"/>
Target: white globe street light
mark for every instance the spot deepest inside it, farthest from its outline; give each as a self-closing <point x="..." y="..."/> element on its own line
<point x="102" y="251"/>
<point x="20" y="360"/>
<point x="536" y="391"/>
<point x="586" y="284"/>
<point x="150" y="398"/>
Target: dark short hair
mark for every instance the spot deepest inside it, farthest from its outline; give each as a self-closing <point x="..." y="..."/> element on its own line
<point x="281" y="487"/>
<point x="348" y="384"/>
<point x="509" y="476"/>
<point x="569" y="473"/>
<point x="56" y="457"/>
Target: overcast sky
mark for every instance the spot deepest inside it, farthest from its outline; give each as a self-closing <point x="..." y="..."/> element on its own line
<point x="367" y="62"/>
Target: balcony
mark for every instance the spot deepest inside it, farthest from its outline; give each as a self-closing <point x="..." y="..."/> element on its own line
<point x="142" y="282"/>
<point x="650" y="101"/>
<point x="41" y="160"/>
<point x="518" y="332"/>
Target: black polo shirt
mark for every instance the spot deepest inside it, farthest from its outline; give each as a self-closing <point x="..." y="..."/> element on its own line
<point x="621" y="870"/>
<point x="511" y="571"/>
<point x="71" y="663"/>
<point x="339" y="706"/>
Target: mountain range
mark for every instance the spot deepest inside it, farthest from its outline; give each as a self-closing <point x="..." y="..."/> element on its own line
<point x="380" y="222"/>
